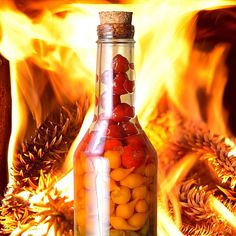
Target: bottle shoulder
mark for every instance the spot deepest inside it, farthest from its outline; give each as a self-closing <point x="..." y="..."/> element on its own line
<point x="126" y="138"/>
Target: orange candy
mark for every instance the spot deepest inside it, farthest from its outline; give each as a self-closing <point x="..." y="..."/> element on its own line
<point x="141" y="206"/>
<point x="114" y="158"/>
<point x="150" y="170"/>
<point x="133" y="180"/>
<point x="89" y="181"/>
<point x="139" y="192"/>
<point x="121" y="195"/>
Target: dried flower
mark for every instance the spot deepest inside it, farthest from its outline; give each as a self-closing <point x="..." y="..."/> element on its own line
<point x="48" y="148"/>
<point x="215" y="150"/>
<point x="195" y="200"/>
<point x="15" y="209"/>
<point x="39" y="158"/>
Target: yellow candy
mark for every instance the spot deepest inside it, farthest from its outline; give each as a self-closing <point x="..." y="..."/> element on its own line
<point x="138" y="220"/>
<point x="140" y="170"/>
<point x="125" y="210"/>
<point x="78" y="168"/>
<point x="150" y="170"/>
<point x="81" y="218"/>
<point x="112" y="207"/>
<point x="86" y="163"/>
<point x="91" y="202"/>
<point x="141" y="206"/>
<point x="89" y="181"/>
<point x="121" y="195"/>
<point x="81" y="194"/>
<point x="113" y="185"/>
<point x="90" y="196"/>
<point x="139" y="192"/>
<point x="92" y="225"/>
<point x="120" y="223"/>
<point x="115" y="232"/>
<point x="81" y="204"/>
<point x="78" y="184"/>
<point x="120" y="173"/>
<point x="114" y="158"/>
<point x="133" y="180"/>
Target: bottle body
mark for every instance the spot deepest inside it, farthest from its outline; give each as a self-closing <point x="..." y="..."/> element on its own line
<point x="115" y="164"/>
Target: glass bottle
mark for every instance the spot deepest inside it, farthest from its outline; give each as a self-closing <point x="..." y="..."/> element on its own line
<point x="115" y="164"/>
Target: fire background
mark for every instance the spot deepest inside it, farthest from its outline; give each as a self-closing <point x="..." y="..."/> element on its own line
<point x="185" y="68"/>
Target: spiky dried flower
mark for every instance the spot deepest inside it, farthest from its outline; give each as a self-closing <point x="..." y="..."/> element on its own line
<point x="54" y="209"/>
<point x="44" y="153"/>
<point x="48" y="147"/>
<point x="15" y="209"/>
<point x="216" y="164"/>
<point x="206" y="229"/>
<point x="196" y="202"/>
<point x="215" y="149"/>
<point x="57" y="212"/>
<point x="46" y="204"/>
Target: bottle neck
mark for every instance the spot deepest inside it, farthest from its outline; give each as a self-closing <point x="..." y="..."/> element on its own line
<point x="115" y="81"/>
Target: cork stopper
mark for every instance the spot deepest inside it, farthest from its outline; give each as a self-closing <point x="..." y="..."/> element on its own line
<point x="115" y="25"/>
<point x="115" y="17"/>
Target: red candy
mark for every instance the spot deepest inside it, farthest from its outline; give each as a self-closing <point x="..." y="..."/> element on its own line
<point x="129" y="128"/>
<point x="132" y="156"/>
<point x="113" y="144"/>
<point x="118" y="85"/>
<point x="123" y="112"/>
<point x="129" y="85"/>
<point x="135" y="140"/>
<point x="131" y="66"/>
<point x="120" y="64"/>
<point x="116" y="100"/>
<point x="114" y="131"/>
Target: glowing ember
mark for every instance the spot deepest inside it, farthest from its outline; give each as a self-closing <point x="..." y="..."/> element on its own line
<point x="52" y="57"/>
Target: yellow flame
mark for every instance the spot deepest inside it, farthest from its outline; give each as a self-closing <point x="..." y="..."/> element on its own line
<point x="18" y="116"/>
<point x="166" y="226"/>
<point x="178" y="172"/>
<point x="68" y="165"/>
<point x="168" y="189"/>
<point x="67" y="52"/>
<point x="223" y="211"/>
<point x="33" y="230"/>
